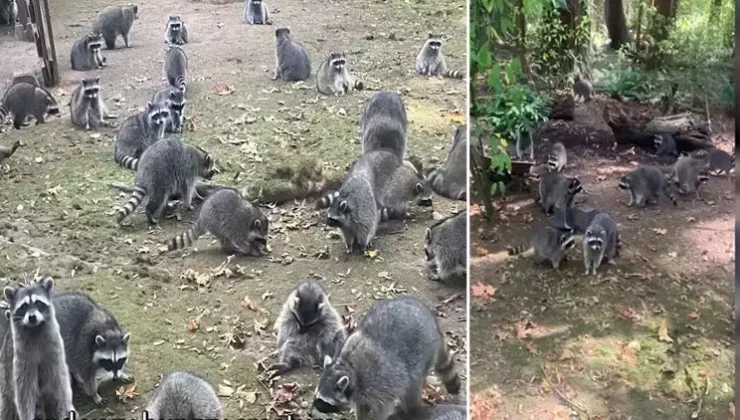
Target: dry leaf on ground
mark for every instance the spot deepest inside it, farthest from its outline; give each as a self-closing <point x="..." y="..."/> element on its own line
<point x="223" y="89"/>
<point x="482" y="291"/>
<point x="663" y="332"/>
<point x="127" y="392"/>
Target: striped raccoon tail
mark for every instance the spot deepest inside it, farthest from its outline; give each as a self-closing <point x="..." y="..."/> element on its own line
<point x="185" y="239"/>
<point x="128" y="162"/>
<point x="181" y="83"/>
<point x="454" y="74"/>
<point x="517" y="250"/>
<point x="358" y="85"/>
<point x="136" y="196"/>
<point x="668" y="193"/>
<point x="326" y="201"/>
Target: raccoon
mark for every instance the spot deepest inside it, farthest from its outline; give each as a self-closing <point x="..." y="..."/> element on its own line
<point x="96" y="346"/>
<point x="175" y="100"/>
<point x="445" y="246"/>
<point x="185" y="395"/>
<point x="720" y="161"/>
<point x="116" y="20"/>
<point x="33" y="367"/>
<point x="405" y="184"/>
<point x="431" y="61"/>
<point x="333" y="78"/>
<point x="665" y="145"/>
<point x="239" y="226"/>
<point x="5" y="152"/>
<point x="574" y="219"/>
<point x="548" y="245"/>
<point x="383" y="124"/>
<point x="23" y="99"/>
<point x="524" y="144"/>
<point x="452" y="181"/>
<point x="176" y="67"/>
<point x="689" y="173"/>
<point x="582" y="89"/>
<point x="386" y="359"/>
<point x="26" y="78"/>
<point x="176" y="31"/>
<point x="644" y="184"/>
<point x="557" y="192"/>
<point x="600" y="242"/>
<point x="558" y="158"/>
<point x="138" y="132"/>
<point x="87" y="109"/>
<point x="86" y="53"/>
<point x="167" y="168"/>
<point x="449" y="412"/>
<point x="8" y="12"/>
<point x="308" y="329"/>
<point x="292" y="62"/>
<point x="256" y="13"/>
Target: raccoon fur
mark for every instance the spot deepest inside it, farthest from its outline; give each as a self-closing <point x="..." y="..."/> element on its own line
<point x="175" y="100"/>
<point x="256" y="13"/>
<point x="176" y="67"/>
<point x="23" y="99"/>
<point x="558" y="158"/>
<point x="96" y="346"/>
<point x="33" y="367"/>
<point x="582" y="89"/>
<point x="8" y="12"/>
<point x="87" y="109"/>
<point x="387" y="359"/>
<point x="645" y="184"/>
<point x="452" y="180"/>
<point x="720" y="161"/>
<point x="167" y="168"/>
<point x="308" y="328"/>
<point x="116" y="20"/>
<point x="292" y="62"/>
<point x="524" y="144"/>
<point x="449" y="412"/>
<point x="445" y="246"/>
<point x="574" y="219"/>
<point x="557" y="192"/>
<point x="176" y="31"/>
<point x="140" y="131"/>
<point x="6" y="152"/>
<point x="689" y="173"/>
<point x="333" y="78"/>
<point x="665" y="145"/>
<point x="431" y="61"/>
<point x="600" y="242"/>
<point x="26" y="78"/>
<point x="86" y="53"/>
<point x="236" y="223"/>
<point x="548" y="245"/>
<point x="185" y="395"/>
<point x="383" y="124"/>
<point x="405" y="184"/>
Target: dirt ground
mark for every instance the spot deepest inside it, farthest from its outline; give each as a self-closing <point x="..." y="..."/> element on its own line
<point x="57" y="206"/>
<point x="560" y="345"/>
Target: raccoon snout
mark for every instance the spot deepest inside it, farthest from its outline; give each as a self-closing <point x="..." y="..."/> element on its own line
<point x="332" y="222"/>
<point x="424" y="201"/>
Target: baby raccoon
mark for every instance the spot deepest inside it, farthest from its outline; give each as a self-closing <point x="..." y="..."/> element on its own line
<point x="558" y="158"/>
<point x="175" y="100"/>
<point x="23" y="99"/>
<point x="557" y="192"/>
<point x="175" y="67"/>
<point x="665" y="145"/>
<point x="87" y="109"/>
<point x="185" y="395"/>
<point x="582" y="89"/>
<point x="176" y="31"/>
<point x="689" y="173"/>
<point x="383" y="124"/>
<point x="116" y="20"/>
<point x="95" y="345"/>
<point x="256" y="13"/>
<point x="600" y="242"/>
<point x="548" y="245"/>
<point x="644" y="185"/>
<point x="385" y="360"/>
<point x="292" y="62"/>
<point x="167" y="168"/>
<point x="451" y="181"/>
<point x="237" y="224"/>
<point x="86" y="53"/>
<point x="333" y="78"/>
<point x="308" y="329"/>
<point x="405" y="184"/>
<point x="431" y="61"/>
<point x="445" y="246"/>
<point x="138" y="132"/>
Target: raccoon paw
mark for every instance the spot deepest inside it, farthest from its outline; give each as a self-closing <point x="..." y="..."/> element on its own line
<point x="100" y="401"/>
<point x="279" y="369"/>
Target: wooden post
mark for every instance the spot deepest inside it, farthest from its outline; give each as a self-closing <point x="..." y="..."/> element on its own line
<point x="54" y="68"/>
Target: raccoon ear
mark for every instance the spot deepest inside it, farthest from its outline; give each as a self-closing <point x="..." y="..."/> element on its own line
<point x="7" y="314"/>
<point x="321" y="304"/>
<point x="99" y="340"/>
<point x="418" y="188"/>
<point x="343" y="383"/>
<point x="172" y="95"/>
<point x="126" y="338"/>
<point x="9" y="294"/>
<point x="257" y="224"/>
<point x="296" y="301"/>
<point x="589" y="233"/>
<point x="344" y="207"/>
<point x="430" y="35"/>
<point x="47" y="283"/>
<point x="327" y="361"/>
<point x="97" y="79"/>
<point x="428" y="235"/>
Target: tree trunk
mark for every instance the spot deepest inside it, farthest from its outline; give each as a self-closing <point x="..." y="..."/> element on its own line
<point x="521" y="24"/>
<point x="616" y="23"/>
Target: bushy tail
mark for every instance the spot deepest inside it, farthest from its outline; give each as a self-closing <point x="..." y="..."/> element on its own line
<point x="185" y="239"/>
<point x="454" y="74"/>
<point x="358" y="85"/>
<point x="4" y="114"/>
<point x="618" y="246"/>
<point x="437" y="181"/>
<point x="445" y="369"/>
<point x="518" y="250"/>
<point x="133" y="202"/>
<point x="128" y="162"/>
<point x="181" y="83"/>
<point x="326" y="201"/>
<point x="668" y="193"/>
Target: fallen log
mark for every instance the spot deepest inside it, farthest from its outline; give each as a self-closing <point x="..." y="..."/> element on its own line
<point x="563" y="108"/>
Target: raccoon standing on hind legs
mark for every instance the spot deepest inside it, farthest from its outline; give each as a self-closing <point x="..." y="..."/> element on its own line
<point x="445" y="246"/>
<point x="451" y="181"/>
<point x="333" y="78"/>
<point x="176" y="31"/>
<point x="431" y="61"/>
<point x="292" y="63"/>
<point x="256" y="13"/>
<point x="116" y="20"/>
<point x="601" y="242"/>
<point x="87" y="107"/>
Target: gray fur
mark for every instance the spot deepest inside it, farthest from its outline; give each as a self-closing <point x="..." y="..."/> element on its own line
<point x="558" y="157"/>
<point x="86" y="53"/>
<point x="333" y="78"/>
<point x="576" y="219"/>
<point x="175" y="100"/>
<point x="431" y="62"/>
<point x="138" y="132"/>
<point x="582" y="89"/>
<point x="292" y="62"/>
<point x="87" y="109"/>
<point x="383" y="124"/>
<point x="665" y="145"/>
<point x="548" y="245"/>
<point x="645" y="184"/>
<point x="387" y="358"/>
<point x="26" y="78"/>
<point x="167" y="168"/>
<point x="449" y="412"/>
<point x="720" y="161"/>
<point x="256" y="13"/>
<point x="116" y="20"/>
<point x="308" y="328"/>
<point x="557" y="192"/>
<point x="96" y="346"/>
<point x="689" y="173"/>
<point x="175" y="67"/>
<point x="524" y="144"/>
<point x="452" y="180"/>
<point x="600" y="242"/>
<point x="6" y="152"/>
<point x="8" y="12"/>
<point x="33" y="367"/>
<point x="236" y="223"/>
<point x="185" y="395"/>
<point x="23" y="99"/>
<point x="445" y="246"/>
<point x="176" y="31"/>
<point x="405" y="184"/>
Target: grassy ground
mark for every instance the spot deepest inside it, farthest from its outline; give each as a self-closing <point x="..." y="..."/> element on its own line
<point x="560" y="345"/>
<point x="57" y="206"/>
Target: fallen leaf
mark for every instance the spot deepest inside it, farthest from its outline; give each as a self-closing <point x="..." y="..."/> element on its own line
<point x="371" y="253"/>
<point x="663" y="332"/>
<point x="223" y="89"/>
<point x="384" y="275"/>
<point x="225" y="391"/>
<point x="694" y="315"/>
<point x="629" y="352"/>
<point x="660" y="231"/>
<point x="483" y="291"/>
<point x="248" y="304"/>
<point x="565" y="354"/>
<point x="251" y="397"/>
<point x="628" y="313"/>
<point x="193" y="325"/>
<point x="523" y="328"/>
<point x="127" y="392"/>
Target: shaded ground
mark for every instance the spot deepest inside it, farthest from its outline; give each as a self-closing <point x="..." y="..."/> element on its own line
<point x="57" y="207"/>
<point x="560" y="345"/>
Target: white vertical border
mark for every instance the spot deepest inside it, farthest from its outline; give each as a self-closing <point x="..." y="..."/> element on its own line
<point x="467" y="194"/>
